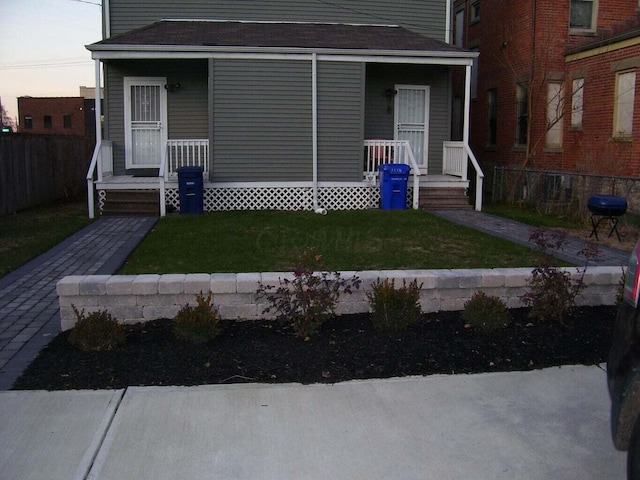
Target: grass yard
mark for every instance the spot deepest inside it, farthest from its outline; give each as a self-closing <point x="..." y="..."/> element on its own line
<point x="249" y="241"/>
<point x="29" y="233"/>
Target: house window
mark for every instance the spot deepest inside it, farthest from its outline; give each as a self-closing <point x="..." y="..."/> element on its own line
<point x="555" y="111"/>
<point x="623" y="106"/>
<point x="66" y="121"/>
<point x="522" y="114"/>
<point x="475" y="11"/>
<point x="459" y="33"/>
<point x="28" y="122"/>
<point x="492" y="106"/>
<point x="47" y="121"/>
<point x="583" y="15"/>
<point x="577" y="99"/>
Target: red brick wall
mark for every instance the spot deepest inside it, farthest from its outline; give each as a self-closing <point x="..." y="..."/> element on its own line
<point x="39" y="107"/>
<point x="504" y="35"/>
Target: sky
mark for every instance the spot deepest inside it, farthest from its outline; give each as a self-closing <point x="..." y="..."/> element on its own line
<point x="43" y="50"/>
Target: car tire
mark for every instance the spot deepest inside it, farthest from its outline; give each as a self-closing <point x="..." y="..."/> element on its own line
<point x="633" y="454"/>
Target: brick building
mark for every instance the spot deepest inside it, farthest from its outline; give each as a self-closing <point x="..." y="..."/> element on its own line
<point x="555" y="84"/>
<point x="52" y="115"/>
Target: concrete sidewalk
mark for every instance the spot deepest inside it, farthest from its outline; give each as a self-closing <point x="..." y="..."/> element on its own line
<point x="544" y="424"/>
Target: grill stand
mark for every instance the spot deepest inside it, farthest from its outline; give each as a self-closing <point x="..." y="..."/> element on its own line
<point x="595" y="225"/>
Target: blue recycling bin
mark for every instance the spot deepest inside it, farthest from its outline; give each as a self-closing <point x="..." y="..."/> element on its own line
<point x="393" y="185"/>
<point x="191" y="189"/>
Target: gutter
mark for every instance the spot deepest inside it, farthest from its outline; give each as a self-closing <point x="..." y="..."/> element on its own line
<point x="314" y="135"/>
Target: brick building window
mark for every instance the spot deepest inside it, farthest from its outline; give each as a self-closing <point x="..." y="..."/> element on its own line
<point x="492" y="106"/>
<point x="475" y="11"/>
<point x="623" y="106"/>
<point x="28" y="122"/>
<point x="66" y="121"/>
<point x="47" y="121"/>
<point x="583" y="15"/>
<point x="577" y="103"/>
<point x="555" y="112"/>
<point x="522" y="115"/>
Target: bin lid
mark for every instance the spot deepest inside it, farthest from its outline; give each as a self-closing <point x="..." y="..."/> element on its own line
<point x="190" y="169"/>
<point x="395" y="168"/>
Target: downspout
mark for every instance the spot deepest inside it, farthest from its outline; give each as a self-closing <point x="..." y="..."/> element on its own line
<point x="314" y="133"/>
<point x="106" y="32"/>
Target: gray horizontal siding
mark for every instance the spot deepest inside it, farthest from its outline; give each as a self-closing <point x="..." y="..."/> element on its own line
<point x="261" y="121"/>
<point x="379" y="120"/>
<point x="186" y="107"/>
<point x="340" y="125"/>
<point x="423" y="16"/>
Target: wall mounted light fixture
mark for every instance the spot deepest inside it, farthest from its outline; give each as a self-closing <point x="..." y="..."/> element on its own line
<point x="172" y="87"/>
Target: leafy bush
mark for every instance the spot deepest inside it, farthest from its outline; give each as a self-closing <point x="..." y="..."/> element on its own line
<point x="552" y="292"/>
<point x="198" y="324"/>
<point x="394" y="309"/>
<point x="97" y="331"/>
<point x="308" y="300"/>
<point x="486" y="313"/>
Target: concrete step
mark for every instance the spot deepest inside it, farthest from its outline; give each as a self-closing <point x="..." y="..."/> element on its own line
<point x="131" y="202"/>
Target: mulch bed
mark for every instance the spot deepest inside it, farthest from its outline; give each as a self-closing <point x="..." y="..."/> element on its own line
<point x="346" y="348"/>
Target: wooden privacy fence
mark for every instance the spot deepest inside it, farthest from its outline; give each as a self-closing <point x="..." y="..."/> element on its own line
<point x="38" y="169"/>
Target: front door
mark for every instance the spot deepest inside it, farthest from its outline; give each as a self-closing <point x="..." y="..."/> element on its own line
<point x="145" y="107"/>
<point x="412" y="119"/>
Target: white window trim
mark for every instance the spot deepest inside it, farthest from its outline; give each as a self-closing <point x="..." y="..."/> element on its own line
<point x="594" y="20"/>
<point x="554" y="115"/>
<point x="577" y="103"/>
<point x="618" y="111"/>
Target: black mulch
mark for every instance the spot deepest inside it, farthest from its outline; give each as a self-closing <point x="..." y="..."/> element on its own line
<point x="346" y="348"/>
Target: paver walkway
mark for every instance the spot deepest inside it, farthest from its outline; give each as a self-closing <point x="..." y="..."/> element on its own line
<point x="518" y="232"/>
<point x="29" y="312"/>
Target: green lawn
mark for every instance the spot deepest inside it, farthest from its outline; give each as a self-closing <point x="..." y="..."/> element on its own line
<point x="249" y="241"/>
<point x="29" y="233"/>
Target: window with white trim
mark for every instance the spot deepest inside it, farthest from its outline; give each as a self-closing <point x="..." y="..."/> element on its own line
<point x="577" y="103"/>
<point x="555" y="111"/>
<point x="583" y="15"/>
<point x="625" y="95"/>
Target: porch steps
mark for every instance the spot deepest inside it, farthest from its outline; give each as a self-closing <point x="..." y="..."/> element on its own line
<point x="444" y="198"/>
<point x="144" y="203"/>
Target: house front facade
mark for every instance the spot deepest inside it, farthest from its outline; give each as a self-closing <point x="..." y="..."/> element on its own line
<point x="555" y="86"/>
<point x="284" y="105"/>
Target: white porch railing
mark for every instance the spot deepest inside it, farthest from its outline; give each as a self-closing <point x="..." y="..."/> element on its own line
<point x="455" y="160"/>
<point x="102" y="165"/>
<point x="186" y="153"/>
<point x="379" y="152"/>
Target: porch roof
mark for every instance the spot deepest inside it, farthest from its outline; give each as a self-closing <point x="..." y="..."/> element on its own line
<point x="206" y="38"/>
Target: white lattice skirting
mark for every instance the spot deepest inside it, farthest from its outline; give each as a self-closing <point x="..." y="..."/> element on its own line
<point x="287" y="198"/>
<point x="280" y="198"/>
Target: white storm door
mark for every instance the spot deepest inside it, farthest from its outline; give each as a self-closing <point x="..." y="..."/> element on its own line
<point x="412" y="119"/>
<point x="145" y="115"/>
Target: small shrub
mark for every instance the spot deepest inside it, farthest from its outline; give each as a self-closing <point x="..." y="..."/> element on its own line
<point x="198" y="324"/>
<point x="486" y="313"/>
<point x="308" y="300"/>
<point x="552" y="292"/>
<point x="394" y="309"/>
<point x="97" y="331"/>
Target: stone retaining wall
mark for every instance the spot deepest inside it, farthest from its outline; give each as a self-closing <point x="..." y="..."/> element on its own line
<point x="140" y="298"/>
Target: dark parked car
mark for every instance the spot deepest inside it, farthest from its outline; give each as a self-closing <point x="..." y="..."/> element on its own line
<point x="623" y="370"/>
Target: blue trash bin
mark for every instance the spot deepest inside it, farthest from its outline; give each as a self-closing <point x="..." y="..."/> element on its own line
<point x="393" y="185"/>
<point x="190" y="187"/>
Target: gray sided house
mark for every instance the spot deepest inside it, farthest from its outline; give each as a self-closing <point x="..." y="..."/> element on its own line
<point x="284" y="105"/>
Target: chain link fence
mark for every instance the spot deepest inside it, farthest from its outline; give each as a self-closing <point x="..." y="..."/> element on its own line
<point x="563" y="193"/>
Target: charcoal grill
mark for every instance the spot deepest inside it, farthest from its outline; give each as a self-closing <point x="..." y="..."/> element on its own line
<point x="603" y="208"/>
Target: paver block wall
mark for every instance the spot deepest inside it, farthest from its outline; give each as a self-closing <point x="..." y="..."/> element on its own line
<point x="140" y="298"/>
